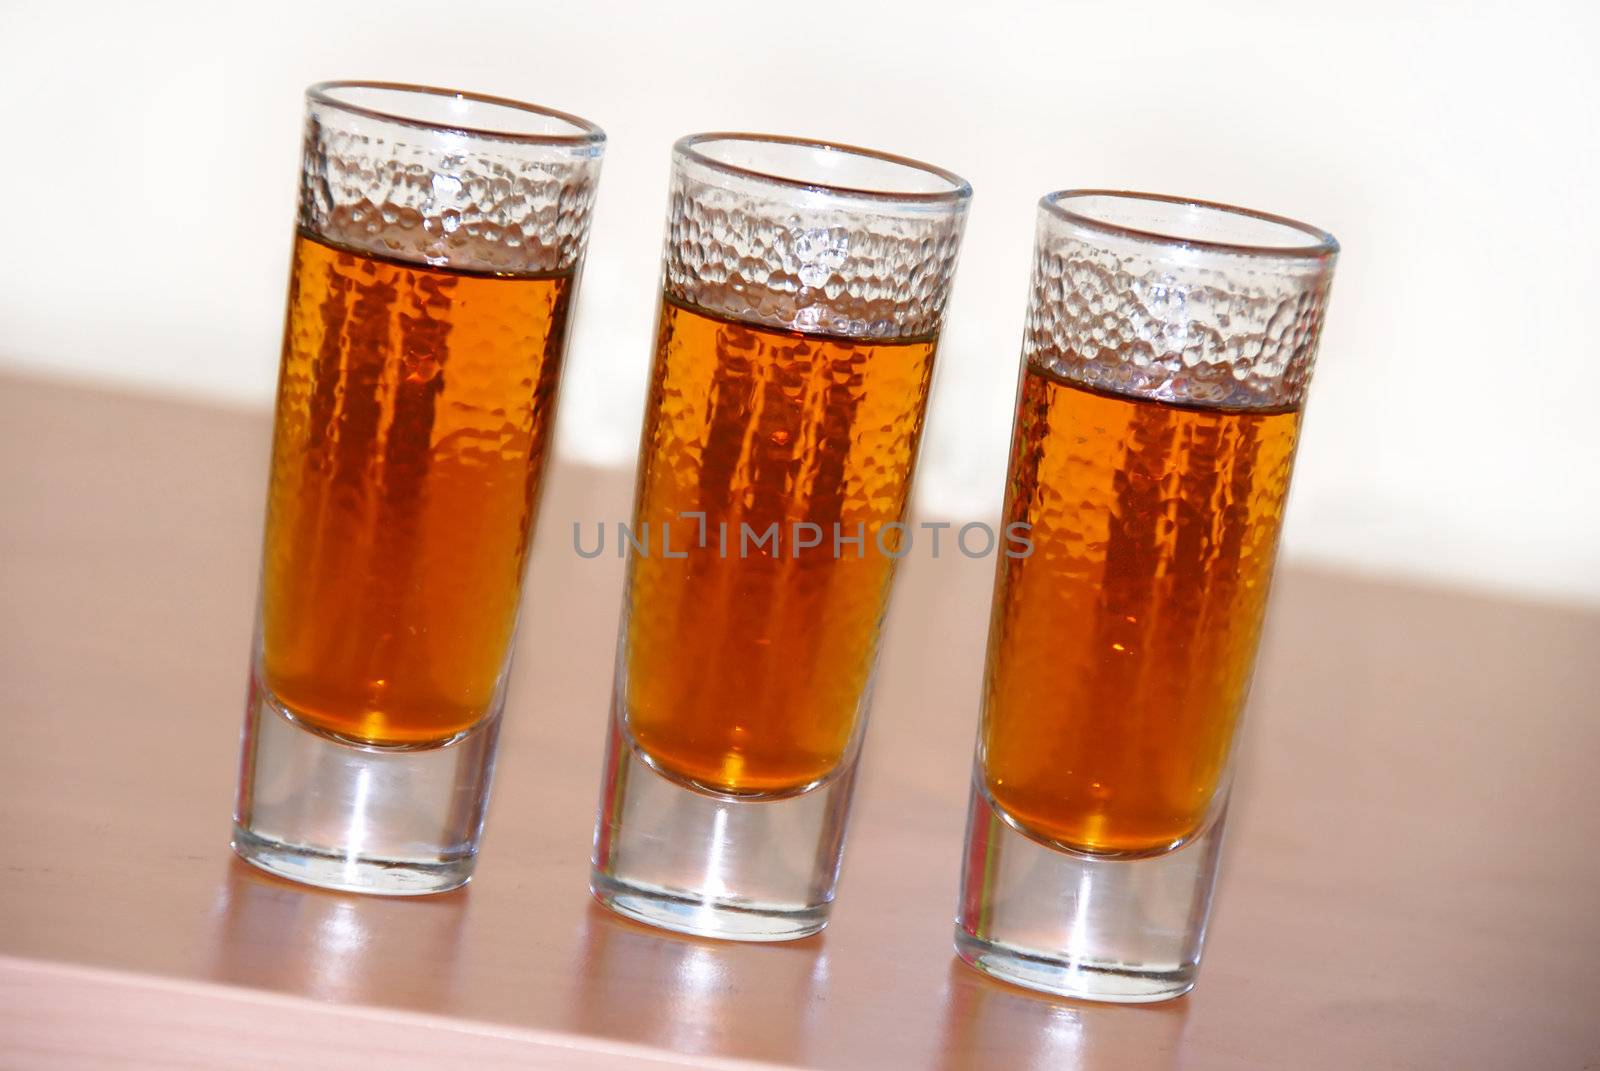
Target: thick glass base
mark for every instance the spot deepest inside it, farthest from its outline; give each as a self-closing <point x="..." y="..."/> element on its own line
<point x="1121" y="930"/>
<point x="740" y="869"/>
<point x="393" y="821"/>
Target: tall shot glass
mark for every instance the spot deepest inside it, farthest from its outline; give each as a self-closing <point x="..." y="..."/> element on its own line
<point x="1167" y="352"/>
<point x="804" y="288"/>
<point x="439" y="242"/>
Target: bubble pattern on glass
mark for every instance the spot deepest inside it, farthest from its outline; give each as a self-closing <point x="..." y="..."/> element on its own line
<point x="1161" y="321"/>
<point x="803" y="261"/>
<point x="438" y="197"/>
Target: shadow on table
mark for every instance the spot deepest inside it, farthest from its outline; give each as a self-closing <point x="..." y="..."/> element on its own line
<point x="988" y="1023"/>
<point x="695" y="996"/>
<point x="279" y="935"/>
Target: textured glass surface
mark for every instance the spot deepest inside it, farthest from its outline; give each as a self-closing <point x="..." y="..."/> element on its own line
<point x="805" y="259"/>
<point x="1175" y="321"/>
<point x="469" y="201"/>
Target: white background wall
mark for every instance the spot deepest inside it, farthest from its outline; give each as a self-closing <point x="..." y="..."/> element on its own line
<point x="151" y="154"/>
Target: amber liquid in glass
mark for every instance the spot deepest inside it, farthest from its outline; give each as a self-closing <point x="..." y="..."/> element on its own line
<point x="1121" y="649"/>
<point x="744" y="670"/>
<point x="414" y="415"/>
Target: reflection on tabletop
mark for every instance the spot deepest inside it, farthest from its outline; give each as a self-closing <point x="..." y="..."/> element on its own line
<point x="698" y="996"/>
<point x="683" y="994"/>
<point x="274" y="934"/>
<point x="985" y="1020"/>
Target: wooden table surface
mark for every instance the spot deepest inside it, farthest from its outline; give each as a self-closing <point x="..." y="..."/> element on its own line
<point x="1412" y="880"/>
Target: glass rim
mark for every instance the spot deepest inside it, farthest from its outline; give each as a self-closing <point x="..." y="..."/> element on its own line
<point x="960" y="190"/>
<point x="1324" y="245"/>
<point x="585" y="132"/>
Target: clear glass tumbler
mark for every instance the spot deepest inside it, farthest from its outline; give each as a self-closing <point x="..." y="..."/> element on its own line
<point x="1167" y="352"/>
<point x="804" y="288"/>
<point x="439" y="242"/>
